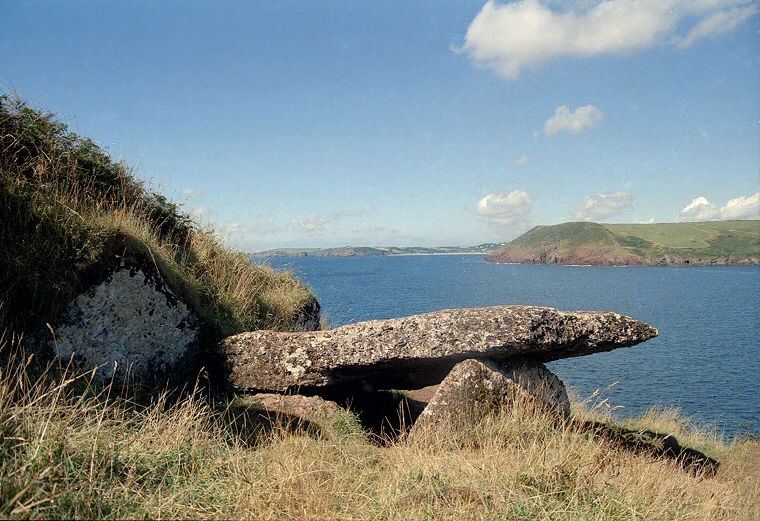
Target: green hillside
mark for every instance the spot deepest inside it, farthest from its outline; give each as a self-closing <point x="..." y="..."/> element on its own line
<point x="699" y="243"/>
<point x="713" y="238"/>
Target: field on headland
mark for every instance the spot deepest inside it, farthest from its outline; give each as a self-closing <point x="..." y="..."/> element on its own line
<point x="687" y="244"/>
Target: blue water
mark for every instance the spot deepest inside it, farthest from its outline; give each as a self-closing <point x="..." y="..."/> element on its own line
<point x="705" y="361"/>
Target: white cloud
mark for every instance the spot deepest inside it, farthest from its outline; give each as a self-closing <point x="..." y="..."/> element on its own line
<point x="720" y="22"/>
<point x="520" y="161"/>
<point x="201" y="213"/>
<point x="236" y="229"/>
<point x="740" y="208"/>
<point x="312" y="224"/>
<point x="744" y="207"/>
<point x="601" y="206"/>
<point x="573" y="122"/>
<point x="700" y="209"/>
<point x="511" y="37"/>
<point x="317" y="224"/>
<point x="511" y="210"/>
<point x="193" y="192"/>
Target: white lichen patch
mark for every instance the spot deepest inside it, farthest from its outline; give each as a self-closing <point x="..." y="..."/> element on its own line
<point x="297" y="362"/>
<point x="125" y="324"/>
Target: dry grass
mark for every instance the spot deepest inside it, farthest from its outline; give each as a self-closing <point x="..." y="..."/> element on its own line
<point x="68" y="453"/>
<point x="67" y="210"/>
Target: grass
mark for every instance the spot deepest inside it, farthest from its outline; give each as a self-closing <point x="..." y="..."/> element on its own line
<point x="97" y="454"/>
<point x="68" y="212"/>
<point x="715" y="238"/>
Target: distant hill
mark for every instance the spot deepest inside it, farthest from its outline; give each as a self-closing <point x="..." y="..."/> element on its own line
<point x="662" y="244"/>
<point x="364" y="251"/>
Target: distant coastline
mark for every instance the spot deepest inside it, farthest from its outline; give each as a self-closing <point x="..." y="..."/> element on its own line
<point x="712" y="243"/>
<point x="364" y="251"/>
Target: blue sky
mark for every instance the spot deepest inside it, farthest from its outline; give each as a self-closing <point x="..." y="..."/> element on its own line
<point x="328" y="123"/>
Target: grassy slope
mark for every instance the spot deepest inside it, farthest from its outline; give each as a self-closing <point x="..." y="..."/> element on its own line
<point x="67" y="211"/>
<point x="649" y="242"/>
<point x="715" y="238"/>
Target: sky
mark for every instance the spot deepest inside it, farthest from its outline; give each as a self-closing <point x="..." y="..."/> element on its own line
<point x="319" y="123"/>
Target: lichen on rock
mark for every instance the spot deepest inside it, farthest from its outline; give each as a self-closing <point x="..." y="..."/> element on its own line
<point x="420" y="350"/>
<point x="130" y="323"/>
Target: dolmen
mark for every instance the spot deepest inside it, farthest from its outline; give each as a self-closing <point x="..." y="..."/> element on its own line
<point x="481" y="357"/>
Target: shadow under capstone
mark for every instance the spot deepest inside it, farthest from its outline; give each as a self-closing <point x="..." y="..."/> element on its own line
<point x="251" y="423"/>
<point x="385" y="414"/>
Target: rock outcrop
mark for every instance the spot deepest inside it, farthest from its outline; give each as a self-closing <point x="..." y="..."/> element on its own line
<point x="136" y="317"/>
<point x="131" y="322"/>
<point x="474" y="388"/>
<point x="417" y="351"/>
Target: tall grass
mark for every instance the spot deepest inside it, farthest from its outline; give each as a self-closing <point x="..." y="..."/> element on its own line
<point x="68" y="212"/>
<point x="95" y="454"/>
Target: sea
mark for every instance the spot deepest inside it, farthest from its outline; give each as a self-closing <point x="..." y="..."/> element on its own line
<point x="706" y="361"/>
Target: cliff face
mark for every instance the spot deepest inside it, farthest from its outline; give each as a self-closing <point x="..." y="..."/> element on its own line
<point x="672" y="244"/>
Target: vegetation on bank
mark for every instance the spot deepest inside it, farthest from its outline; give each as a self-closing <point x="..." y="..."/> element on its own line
<point x="698" y="243"/>
<point x="69" y="454"/>
<point x="67" y="210"/>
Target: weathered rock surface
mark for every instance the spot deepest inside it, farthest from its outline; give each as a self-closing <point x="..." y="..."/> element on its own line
<point x="307" y="407"/>
<point x="475" y="388"/>
<point x="130" y="322"/>
<point x="416" y="351"/>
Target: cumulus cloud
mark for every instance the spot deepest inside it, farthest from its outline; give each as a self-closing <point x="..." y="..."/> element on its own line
<point x="511" y="37"/>
<point x="317" y="224"/>
<point x="512" y="210"/>
<point x="236" y="229"/>
<point x="744" y="207"/>
<point x="520" y="161"/>
<point x="601" y="206"/>
<point x="701" y="209"/>
<point x="573" y="122"/>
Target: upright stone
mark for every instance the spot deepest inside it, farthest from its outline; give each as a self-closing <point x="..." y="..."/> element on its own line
<point x="475" y="388"/>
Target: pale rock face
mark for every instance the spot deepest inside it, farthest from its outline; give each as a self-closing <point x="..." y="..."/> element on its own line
<point x="475" y="388"/>
<point x="130" y="322"/>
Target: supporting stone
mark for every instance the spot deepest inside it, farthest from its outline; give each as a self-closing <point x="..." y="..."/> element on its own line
<point x="475" y="388"/>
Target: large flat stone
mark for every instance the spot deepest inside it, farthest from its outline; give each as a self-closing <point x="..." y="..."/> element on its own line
<point x="420" y="350"/>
